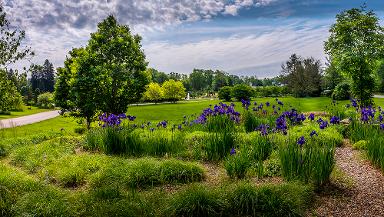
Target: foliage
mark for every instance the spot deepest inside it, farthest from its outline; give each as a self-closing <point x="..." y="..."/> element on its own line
<point x="42" y="77"/>
<point x="10" y="98"/>
<point x="107" y="75"/>
<point x="45" y="100"/>
<point x="242" y="92"/>
<point x="154" y="93"/>
<point x="302" y="76"/>
<point x="332" y="76"/>
<point x="237" y="164"/>
<point x="355" y="44"/>
<point x="173" y="90"/>
<point x="360" y="145"/>
<point x="225" y="93"/>
<point x="271" y="91"/>
<point x="342" y="91"/>
<point x="11" y="41"/>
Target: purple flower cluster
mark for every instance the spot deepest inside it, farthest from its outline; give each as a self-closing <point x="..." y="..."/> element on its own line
<point x="221" y="109"/>
<point x="233" y="151"/>
<point x="263" y="128"/>
<point x="354" y="103"/>
<point x="162" y="124"/>
<point x="313" y="133"/>
<point x="294" y="117"/>
<point x="367" y="114"/>
<point x="301" y="141"/>
<point x="245" y="103"/>
<point x="323" y="124"/>
<point x="281" y="124"/>
<point x="311" y="117"/>
<point x="334" y="120"/>
<point x="111" y="120"/>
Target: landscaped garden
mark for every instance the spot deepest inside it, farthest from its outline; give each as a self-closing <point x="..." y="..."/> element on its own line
<point x="133" y="141"/>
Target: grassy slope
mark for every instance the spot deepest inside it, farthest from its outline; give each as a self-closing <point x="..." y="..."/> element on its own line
<point x="25" y="112"/>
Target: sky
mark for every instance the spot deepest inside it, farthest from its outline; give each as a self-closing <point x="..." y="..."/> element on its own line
<point x="242" y="37"/>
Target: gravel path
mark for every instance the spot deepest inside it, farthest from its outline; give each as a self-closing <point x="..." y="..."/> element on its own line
<point x="29" y="119"/>
<point x="365" y="198"/>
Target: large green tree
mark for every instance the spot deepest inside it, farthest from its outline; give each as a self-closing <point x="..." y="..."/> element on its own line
<point x="106" y="75"/>
<point x="302" y="76"/>
<point x="173" y="90"/>
<point x="10" y="98"/>
<point x="355" y="44"/>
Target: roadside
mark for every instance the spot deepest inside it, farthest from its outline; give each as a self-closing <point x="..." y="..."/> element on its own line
<point x="29" y="119"/>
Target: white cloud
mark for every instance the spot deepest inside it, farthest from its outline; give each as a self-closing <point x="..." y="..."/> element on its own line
<point x="260" y="54"/>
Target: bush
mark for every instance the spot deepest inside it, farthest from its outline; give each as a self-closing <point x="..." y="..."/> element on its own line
<point x="45" y="100"/>
<point x="360" y="145"/>
<point x="225" y="93"/>
<point x="242" y="91"/>
<point x="342" y="91"/>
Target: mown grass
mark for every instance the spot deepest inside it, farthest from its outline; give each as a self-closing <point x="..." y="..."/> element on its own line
<point x="24" y="112"/>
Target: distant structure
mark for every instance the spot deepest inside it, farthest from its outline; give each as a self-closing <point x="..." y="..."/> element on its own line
<point x="188" y="96"/>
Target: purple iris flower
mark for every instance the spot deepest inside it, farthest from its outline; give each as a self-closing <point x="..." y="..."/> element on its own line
<point x="233" y="151"/>
<point x="335" y="120"/>
<point x="313" y="133"/>
<point x="301" y="141"/>
<point x="267" y="104"/>
<point x="311" y="117"/>
<point x="382" y="126"/>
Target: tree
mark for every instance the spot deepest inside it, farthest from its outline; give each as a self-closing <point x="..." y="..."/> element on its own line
<point x="106" y="75"/>
<point x="220" y="80"/>
<point x="332" y="77"/>
<point x="43" y="77"/>
<point x="302" y="76"/>
<point x="158" y="77"/>
<point x="198" y="80"/>
<point x="173" y="90"/>
<point x="154" y="93"/>
<point x="10" y="41"/>
<point x="242" y="91"/>
<point x="225" y="93"/>
<point x="355" y="44"/>
<point x="10" y="98"/>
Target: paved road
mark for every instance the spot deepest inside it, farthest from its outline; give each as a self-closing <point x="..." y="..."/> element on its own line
<point x="29" y="119"/>
<point x="378" y="96"/>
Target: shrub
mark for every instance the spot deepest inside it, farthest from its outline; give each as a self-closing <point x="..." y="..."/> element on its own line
<point x="360" y="145"/>
<point x="342" y="91"/>
<point x="242" y="91"/>
<point x="225" y="93"/>
<point x="45" y="100"/>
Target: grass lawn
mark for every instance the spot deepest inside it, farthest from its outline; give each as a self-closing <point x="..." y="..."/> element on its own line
<point x="26" y="111"/>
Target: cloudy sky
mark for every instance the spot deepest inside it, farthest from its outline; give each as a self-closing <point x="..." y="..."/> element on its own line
<point x="244" y="37"/>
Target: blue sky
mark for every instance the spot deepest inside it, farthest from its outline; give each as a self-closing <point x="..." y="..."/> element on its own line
<point x="243" y="37"/>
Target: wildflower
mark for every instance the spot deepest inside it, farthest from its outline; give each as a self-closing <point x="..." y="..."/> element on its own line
<point x="179" y="127"/>
<point x="381" y="118"/>
<point x="323" y="125"/>
<point x="263" y="129"/>
<point x="311" y="117"/>
<point x="382" y="126"/>
<point x="152" y="129"/>
<point x="245" y="103"/>
<point x="313" y="133"/>
<point x="233" y="151"/>
<point x="267" y="104"/>
<point x="335" y="120"/>
<point x="301" y="141"/>
<point x="354" y="103"/>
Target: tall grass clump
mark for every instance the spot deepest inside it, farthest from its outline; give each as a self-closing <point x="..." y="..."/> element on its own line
<point x="218" y="145"/>
<point x="306" y="159"/>
<point x="237" y="164"/>
<point x="135" y="142"/>
<point x="196" y="201"/>
<point x="250" y="121"/>
<point x="245" y="199"/>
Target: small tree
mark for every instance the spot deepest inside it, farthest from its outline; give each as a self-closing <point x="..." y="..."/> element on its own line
<point x="242" y="91"/>
<point x="154" y="93"/>
<point x="173" y="90"/>
<point x="45" y="100"/>
<point x="355" y="44"/>
<point x="106" y="75"/>
<point x="10" y="99"/>
<point x="225" y="93"/>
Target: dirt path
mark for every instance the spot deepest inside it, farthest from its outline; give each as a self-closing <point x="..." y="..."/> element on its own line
<point x="29" y="119"/>
<point x="364" y="198"/>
